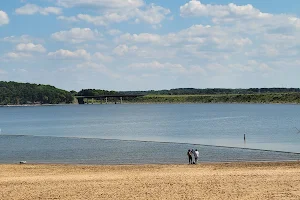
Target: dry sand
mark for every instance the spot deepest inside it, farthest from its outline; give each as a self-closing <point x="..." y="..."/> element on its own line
<point x="203" y="181"/>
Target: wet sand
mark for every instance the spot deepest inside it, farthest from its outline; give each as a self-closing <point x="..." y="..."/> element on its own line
<point x="280" y="180"/>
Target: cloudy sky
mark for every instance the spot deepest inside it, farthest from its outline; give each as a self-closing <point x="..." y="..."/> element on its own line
<point x="150" y="44"/>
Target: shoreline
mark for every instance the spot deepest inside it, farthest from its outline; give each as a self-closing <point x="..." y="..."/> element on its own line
<point x="241" y="180"/>
<point x="151" y="103"/>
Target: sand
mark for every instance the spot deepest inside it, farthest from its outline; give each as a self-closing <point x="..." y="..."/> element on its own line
<point x="279" y="180"/>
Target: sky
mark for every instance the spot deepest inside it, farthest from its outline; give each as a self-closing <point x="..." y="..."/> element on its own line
<point x="149" y="44"/>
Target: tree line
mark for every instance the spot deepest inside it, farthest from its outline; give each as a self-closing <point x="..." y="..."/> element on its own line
<point x="213" y="91"/>
<point x="13" y="93"/>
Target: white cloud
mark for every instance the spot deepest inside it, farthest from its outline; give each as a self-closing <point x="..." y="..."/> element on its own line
<point x="124" y="49"/>
<point x="102" y="57"/>
<point x="152" y="14"/>
<point x="117" y="11"/>
<point x="295" y="21"/>
<point x="17" y="55"/>
<point x="98" y="68"/>
<point x="91" y="65"/>
<point x="69" y="55"/>
<point x="196" y="8"/>
<point x="101" y="46"/>
<point x="102" y="4"/>
<point x="196" y="70"/>
<point x="31" y="9"/>
<point x="141" y="38"/>
<point x="68" y="19"/>
<point x="202" y="36"/>
<point x="242" y="41"/>
<point x="155" y="65"/>
<point x="31" y="47"/>
<point x="266" y="50"/>
<point x="21" y="39"/>
<point x="96" y="20"/>
<point x="20" y="70"/>
<point x="251" y="66"/>
<point x="114" y="32"/>
<point x="80" y="54"/>
<point x="245" y="18"/>
<point x="3" y="18"/>
<point x="76" y="35"/>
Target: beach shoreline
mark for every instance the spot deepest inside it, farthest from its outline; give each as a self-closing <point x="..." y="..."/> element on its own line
<point x="238" y="180"/>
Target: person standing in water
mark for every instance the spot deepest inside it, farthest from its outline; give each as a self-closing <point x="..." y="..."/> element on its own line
<point x="189" y="153"/>
<point x="196" y="155"/>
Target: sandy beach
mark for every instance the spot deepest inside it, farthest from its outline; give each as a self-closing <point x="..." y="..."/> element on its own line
<point x="279" y="180"/>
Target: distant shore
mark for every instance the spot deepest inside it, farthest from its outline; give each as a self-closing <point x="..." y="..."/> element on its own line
<point x="149" y="103"/>
<point x="259" y="180"/>
<point x="266" y="98"/>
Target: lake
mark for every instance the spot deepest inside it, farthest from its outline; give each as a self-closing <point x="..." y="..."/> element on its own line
<point x="40" y="132"/>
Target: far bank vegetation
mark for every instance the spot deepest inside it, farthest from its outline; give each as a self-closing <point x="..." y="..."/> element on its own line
<point x="13" y="93"/>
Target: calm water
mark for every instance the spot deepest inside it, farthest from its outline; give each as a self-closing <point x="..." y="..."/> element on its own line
<point x="269" y="127"/>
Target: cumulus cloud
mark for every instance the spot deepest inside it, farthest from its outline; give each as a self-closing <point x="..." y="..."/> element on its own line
<point x="3" y="18"/>
<point x="31" y="9"/>
<point x="114" y="32"/>
<point x="141" y="38"/>
<point x="101" y="4"/>
<point x="98" y="68"/>
<point x="76" y="35"/>
<point x="155" y="65"/>
<point x="17" y="55"/>
<point x="80" y="54"/>
<point x="21" y="39"/>
<point x="68" y="19"/>
<point x="153" y="14"/>
<point x="124" y="49"/>
<point x="98" y="20"/>
<point x="102" y="57"/>
<point x="202" y="36"/>
<point x="31" y="47"/>
<point x="63" y="54"/>
<point x="196" y="8"/>
<point x="117" y="11"/>
<point x="251" y="66"/>
<point x="246" y="18"/>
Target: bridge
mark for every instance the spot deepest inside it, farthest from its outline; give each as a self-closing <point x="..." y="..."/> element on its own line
<point x="105" y="98"/>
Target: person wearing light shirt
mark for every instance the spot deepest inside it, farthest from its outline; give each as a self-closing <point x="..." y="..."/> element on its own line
<point x="196" y="155"/>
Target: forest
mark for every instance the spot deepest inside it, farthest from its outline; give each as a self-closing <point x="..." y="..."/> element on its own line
<point x="13" y="93"/>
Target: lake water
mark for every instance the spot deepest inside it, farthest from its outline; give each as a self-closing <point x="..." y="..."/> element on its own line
<point x="96" y="133"/>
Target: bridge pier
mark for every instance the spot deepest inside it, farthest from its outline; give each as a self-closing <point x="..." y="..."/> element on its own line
<point x="106" y="100"/>
<point x="121" y="100"/>
<point x="80" y="100"/>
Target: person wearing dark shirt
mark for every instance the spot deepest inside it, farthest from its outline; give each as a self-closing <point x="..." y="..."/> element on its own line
<point x="189" y="153"/>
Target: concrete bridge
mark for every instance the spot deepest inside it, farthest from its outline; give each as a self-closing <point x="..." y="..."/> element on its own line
<point x="105" y="98"/>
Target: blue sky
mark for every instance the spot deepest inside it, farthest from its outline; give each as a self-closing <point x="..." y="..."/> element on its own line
<point x="150" y="44"/>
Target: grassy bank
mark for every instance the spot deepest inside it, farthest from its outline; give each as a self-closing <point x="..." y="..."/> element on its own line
<point x="284" y="98"/>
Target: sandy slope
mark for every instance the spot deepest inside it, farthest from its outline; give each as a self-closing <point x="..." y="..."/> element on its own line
<point x="203" y="181"/>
